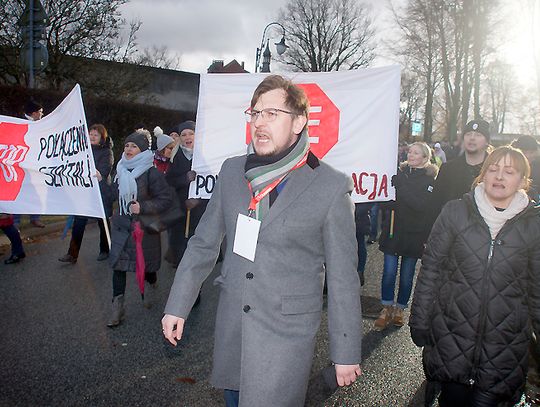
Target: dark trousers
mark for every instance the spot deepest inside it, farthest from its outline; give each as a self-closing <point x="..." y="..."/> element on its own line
<point x="457" y="394"/>
<point x="119" y="281"/>
<point x="14" y="237"/>
<point x="77" y="233"/>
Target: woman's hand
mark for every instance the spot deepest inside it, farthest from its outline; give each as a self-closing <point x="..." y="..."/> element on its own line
<point x="98" y="176"/>
<point x="135" y="208"/>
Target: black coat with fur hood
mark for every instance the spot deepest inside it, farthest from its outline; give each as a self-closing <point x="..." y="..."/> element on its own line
<point x="411" y="226"/>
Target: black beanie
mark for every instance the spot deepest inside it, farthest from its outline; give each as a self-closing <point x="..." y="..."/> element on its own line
<point x="140" y="139"/>
<point x="478" y="125"/>
<point x="31" y="107"/>
<point x="188" y="124"/>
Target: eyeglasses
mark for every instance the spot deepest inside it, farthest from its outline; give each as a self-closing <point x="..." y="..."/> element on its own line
<point x="268" y="115"/>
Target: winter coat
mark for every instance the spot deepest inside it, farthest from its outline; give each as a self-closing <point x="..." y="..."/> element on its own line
<point x="104" y="160"/>
<point x="176" y="177"/>
<point x="154" y="197"/>
<point x="455" y="179"/>
<point x="270" y="309"/>
<point x="5" y="220"/>
<point x="476" y="297"/>
<point x="411" y="225"/>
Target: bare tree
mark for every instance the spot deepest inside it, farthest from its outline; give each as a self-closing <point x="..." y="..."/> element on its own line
<point x="158" y="57"/>
<point x="419" y="45"/>
<point x="77" y="30"/>
<point x="327" y="35"/>
<point x="500" y="88"/>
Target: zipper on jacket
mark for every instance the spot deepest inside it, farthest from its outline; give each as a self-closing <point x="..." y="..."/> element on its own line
<point x="483" y="315"/>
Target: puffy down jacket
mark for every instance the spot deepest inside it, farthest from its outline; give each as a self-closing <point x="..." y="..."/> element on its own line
<point x="476" y="297"/>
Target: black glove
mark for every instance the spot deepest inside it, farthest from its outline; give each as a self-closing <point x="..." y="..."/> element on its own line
<point x="420" y="337"/>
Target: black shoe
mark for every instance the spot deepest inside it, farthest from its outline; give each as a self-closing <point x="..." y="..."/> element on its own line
<point x="14" y="258"/>
<point x="103" y="256"/>
<point x="68" y="258"/>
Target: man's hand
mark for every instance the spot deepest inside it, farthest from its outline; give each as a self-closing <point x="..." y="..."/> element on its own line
<point x="168" y="323"/>
<point x="347" y="374"/>
<point x="98" y="176"/>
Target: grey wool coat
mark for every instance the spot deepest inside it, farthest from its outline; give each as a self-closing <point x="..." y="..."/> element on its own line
<point x="269" y="310"/>
<point x="154" y="197"/>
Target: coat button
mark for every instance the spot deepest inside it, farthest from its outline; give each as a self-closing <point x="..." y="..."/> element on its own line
<point x="246" y="308"/>
<point x="249" y="276"/>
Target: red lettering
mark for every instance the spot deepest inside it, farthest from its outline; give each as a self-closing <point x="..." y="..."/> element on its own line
<point x="375" y="177"/>
<point x="384" y="186"/>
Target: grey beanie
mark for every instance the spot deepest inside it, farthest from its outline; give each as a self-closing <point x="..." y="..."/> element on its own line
<point x="163" y="141"/>
<point x="141" y="139"/>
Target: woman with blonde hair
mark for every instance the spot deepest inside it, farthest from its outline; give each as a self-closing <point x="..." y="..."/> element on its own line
<point x="478" y="290"/>
<point x="405" y="228"/>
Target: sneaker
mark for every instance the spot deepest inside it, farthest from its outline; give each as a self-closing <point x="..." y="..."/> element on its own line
<point x="37" y="223"/>
<point x="68" y="258"/>
<point x="103" y="256"/>
<point x="398" y="317"/>
<point x="384" y="318"/>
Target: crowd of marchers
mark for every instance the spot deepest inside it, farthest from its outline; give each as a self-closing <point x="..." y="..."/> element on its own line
<point x="466" y="210"/>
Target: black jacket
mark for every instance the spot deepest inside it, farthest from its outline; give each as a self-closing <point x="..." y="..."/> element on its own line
<point x="177" y="177"/>
<point x="104" y="160"/>
<point x="476" y="297"/>
<point x="411" y="225"/>
<point x="454" y="180"/>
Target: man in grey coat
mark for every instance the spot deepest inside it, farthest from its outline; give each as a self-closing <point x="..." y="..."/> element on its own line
<point x="289" y="222"/>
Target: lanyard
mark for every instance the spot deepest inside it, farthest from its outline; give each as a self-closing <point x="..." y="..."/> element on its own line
<point x="267" y="189"/>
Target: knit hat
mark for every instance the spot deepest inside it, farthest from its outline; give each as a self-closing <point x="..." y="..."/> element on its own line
<point x="526" y="143"/>
<point x="31" y="107"/>
<point x="437" y="145"/>
<point x="141" y="138"/>
<point x="478" y="125"/>
<point x="188" y="124"/>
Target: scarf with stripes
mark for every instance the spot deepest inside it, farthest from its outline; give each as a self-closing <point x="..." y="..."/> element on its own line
<point x="261" y="171"/>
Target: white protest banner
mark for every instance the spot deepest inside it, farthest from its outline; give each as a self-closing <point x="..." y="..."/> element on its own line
<point x="47" y="166"/>
<point x="354" y="124"/>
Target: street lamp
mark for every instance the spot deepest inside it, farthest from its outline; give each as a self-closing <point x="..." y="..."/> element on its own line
<point x="281" y="47"/>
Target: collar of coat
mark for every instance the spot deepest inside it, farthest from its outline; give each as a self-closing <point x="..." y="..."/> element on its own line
<point x="431" y="169"/>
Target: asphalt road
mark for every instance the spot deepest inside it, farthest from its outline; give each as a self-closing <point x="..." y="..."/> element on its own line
<point x="56" y="350"/>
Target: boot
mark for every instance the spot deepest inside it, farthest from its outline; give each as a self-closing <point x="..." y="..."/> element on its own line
<point x="384" y="318"/>
<point x="117" y="311"/>
<point x="149" y="295"/>
<point x="398" y="317"/>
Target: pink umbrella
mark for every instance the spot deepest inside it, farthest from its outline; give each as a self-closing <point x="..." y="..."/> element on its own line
<point x="138" y="234"/>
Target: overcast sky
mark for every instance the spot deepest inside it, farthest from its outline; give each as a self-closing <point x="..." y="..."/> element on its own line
<point x="200" y="31"/>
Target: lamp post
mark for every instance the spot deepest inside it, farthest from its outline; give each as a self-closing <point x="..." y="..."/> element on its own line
<point x="281" y="47"/>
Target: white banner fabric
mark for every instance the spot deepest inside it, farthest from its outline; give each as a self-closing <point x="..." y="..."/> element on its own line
<point x="47" y="166"/>
<point x="354" y="125"/>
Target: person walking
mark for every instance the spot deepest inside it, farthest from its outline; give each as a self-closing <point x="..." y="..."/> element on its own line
<point x="142" y="190"/>
<point x="404" y="232"/>
<point x="179" y="176"/>
<point x="477" y="297"/>
<point x="276" y="260"/>
<point x="12" y="233"/>
<point x="102" y="150"/>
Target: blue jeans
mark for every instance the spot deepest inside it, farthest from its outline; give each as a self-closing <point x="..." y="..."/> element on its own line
<point x="232" y="398"/>
<point x="406" y="276"/>
<point x="374" y="219"/>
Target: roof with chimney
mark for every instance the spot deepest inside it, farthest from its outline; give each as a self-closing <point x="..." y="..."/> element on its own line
<point x="232" y="67"/>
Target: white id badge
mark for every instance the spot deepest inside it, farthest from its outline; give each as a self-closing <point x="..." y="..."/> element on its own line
<point x="247" y="234"/>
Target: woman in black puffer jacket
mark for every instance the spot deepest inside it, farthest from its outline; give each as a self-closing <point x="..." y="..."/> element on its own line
<point x="479" y="288"/>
